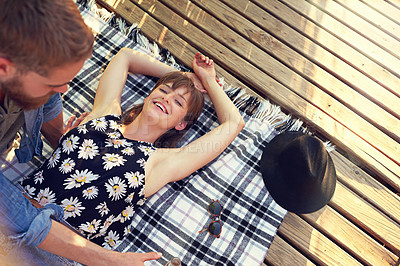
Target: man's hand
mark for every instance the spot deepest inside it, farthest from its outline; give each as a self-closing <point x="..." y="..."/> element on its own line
<point x="73" y="122"/>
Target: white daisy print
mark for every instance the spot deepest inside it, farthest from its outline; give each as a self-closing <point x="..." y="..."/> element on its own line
<point x="141" y="202"/>
<point x="88" y="149"/>
<point x="111" y="160"/>
<point x="142" y="162"/>
<point x="82" y="129"/>
<point x="128" y="151"/>
<point x="127" y="230"/>
<point x="146" y="150"/>
<point x="126" y="214"/>
<point x="45" y="196"/>
<point x="72" y="207"/>
<point x="38" y="177"/>
<point x="116" y="188"/>
<point x="109" y="221"/>
<point x="130" y="197"/>
<point x="113" y="135"/>
<point x="99" y="124"/>
<point x="142" y="191"/>
<point x="80" y="178"/>
<point x="67" y="166"/>
<point x="53" y="160"/>
<point x="115" y="125"/>
<point x="116" y="143"/>
<point x="70" y="144"/>
<point x="111" y="240"/>
<point x="134" y="179"/>
<point x="90" y="227"/>
<point x="30" y="190"/>
<point x="90" y="192"/>
<point x="103" y="209"/>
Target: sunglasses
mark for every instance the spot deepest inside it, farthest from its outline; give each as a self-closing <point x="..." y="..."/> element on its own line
<point x="215" y="227"/>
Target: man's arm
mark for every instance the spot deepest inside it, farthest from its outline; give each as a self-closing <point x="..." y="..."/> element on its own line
<point x="64" y="242"/>
<point x="53" y="130"/>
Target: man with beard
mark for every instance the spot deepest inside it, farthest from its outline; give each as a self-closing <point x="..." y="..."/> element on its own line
<point x="43" y="45"/>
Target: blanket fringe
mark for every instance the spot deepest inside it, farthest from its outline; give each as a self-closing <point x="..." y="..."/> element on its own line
<point x="264" y="110"/>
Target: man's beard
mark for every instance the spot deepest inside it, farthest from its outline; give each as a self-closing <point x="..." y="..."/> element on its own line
<point x="13" y="88"/>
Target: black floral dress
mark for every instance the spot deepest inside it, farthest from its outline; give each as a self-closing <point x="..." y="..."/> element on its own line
<point x="97" y="176"/>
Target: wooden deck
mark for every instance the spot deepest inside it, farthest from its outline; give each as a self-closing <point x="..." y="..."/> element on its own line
<point x="335" y="65"/>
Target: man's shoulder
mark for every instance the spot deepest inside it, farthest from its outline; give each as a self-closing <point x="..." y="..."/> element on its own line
<point x="54" y="100"/>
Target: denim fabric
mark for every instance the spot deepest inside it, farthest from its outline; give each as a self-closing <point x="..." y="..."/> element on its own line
<point x="26" y="227"/>
<point x="31" y="142"/>
<point x="23" y="223"/>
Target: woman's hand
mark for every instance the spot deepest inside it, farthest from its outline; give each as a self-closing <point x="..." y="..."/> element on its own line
<point x="203" y="67"/>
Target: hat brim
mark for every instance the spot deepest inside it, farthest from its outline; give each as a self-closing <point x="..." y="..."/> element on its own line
<point x="282" y="191"/>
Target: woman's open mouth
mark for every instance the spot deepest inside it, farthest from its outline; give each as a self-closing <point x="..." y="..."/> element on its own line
<point x="161" y="107"/>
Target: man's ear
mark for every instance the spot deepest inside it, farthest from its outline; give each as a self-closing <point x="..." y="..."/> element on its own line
<point x="7" y="68"/>
<point x="181" y="125"/>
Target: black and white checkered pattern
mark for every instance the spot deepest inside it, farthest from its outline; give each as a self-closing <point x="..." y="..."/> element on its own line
<point x="170" y="220"/>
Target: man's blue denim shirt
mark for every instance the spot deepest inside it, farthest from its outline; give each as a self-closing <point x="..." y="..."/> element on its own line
<point x="31" y="142"/>
<point x="26" y="225"/>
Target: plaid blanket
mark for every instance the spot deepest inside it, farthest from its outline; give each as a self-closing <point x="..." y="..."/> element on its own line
<point x="170" y="220"/>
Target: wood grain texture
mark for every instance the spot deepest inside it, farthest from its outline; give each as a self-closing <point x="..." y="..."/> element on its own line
<point x="281" y="253"/>
<point x="348" y="36"/>
<point x="367" y="217"/>
<point x="356" y="242"/>
<point x="313" y="243"/>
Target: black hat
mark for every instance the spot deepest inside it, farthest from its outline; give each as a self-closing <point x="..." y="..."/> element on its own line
<point x="298" y="172"/>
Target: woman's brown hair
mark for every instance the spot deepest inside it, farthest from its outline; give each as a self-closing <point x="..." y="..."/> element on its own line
<point x="196" y="102"/>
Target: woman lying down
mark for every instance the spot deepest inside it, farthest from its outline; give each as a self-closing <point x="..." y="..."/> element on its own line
<point x="107" y="166"/>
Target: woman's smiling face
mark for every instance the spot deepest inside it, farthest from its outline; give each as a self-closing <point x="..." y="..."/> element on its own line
<point x="168" y="106"/>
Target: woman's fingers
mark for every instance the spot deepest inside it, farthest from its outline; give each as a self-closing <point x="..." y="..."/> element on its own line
<point x="204" y="59"/>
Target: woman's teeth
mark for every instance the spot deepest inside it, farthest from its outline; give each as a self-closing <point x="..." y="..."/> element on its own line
<point x="161" y="107"/>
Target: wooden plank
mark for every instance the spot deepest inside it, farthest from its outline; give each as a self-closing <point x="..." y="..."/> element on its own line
<point x="281" y="253"/>
<point x="379" y="55"/>
<point x="331" y="43"/>
<point x="385" y="9"/>
<point x="367" y="187"/>
<point x="355" y="24"/>
<point x="294" y="61"/>
<point x="359" y="244"/>
<point x="313" y="243"/>
<point x="264" y="83"/>
<point x="373" y="17"/>
<point x="394" y="3"/>
<point x="255" y="23"/>
<point x="367" y="217"/>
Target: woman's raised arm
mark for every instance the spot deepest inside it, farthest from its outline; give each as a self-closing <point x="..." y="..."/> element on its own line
<point x="175" y="164"/>
<point x="112" y="82"/>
